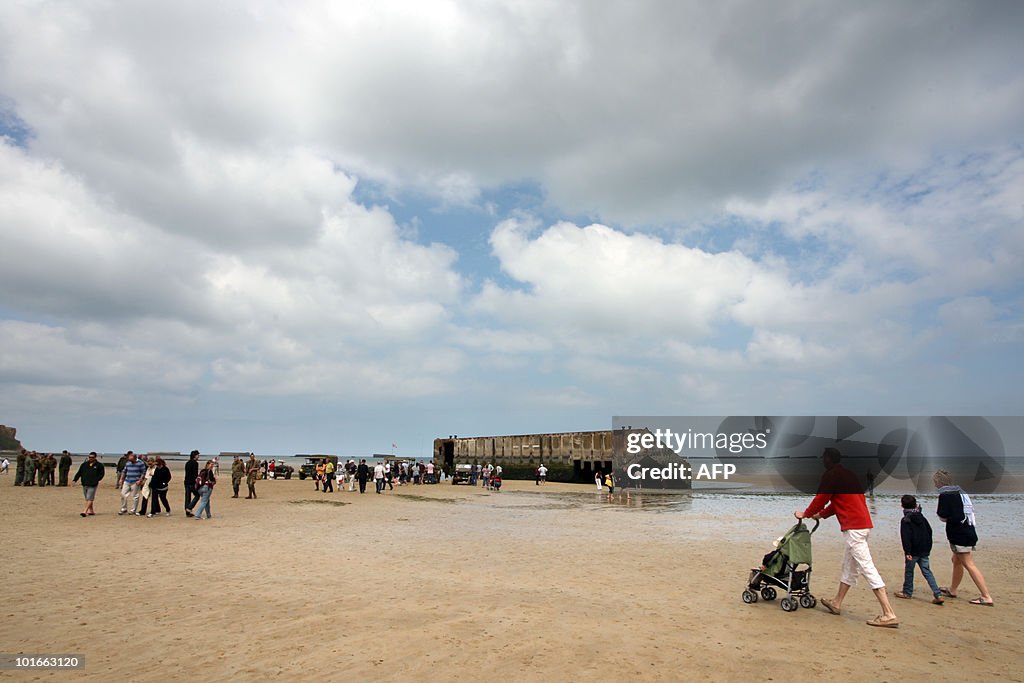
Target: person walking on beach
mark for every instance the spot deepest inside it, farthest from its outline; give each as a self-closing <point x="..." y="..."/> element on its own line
<point x="957" y="511"/>
<point x="90" y="473"/>
<point x="328" y="475"/>
<point x="65" y="468"/>
<point x="158" y="485"/>
<point x="362" y="474"/>
<point x="252" y="473"/>
<point x="351" y="469"/>
<point x="204" y="484"/>
<point x="131" y="483"/>
<point x="916" y="536"/>
<point x="542" y="472"/>
<point x="610" y="483"/>
<point x="191" y="474"/>
<point x="5" y="466"/>
<point x="237" y="472"/>
<point x="378" y="476"/>
<point x="841" y="494"/>
<point x="144" y="489"/>
<point x="598" y="479"/>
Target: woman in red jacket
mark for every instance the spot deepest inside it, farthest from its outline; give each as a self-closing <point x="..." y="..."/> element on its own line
<point x="840" y="494"/>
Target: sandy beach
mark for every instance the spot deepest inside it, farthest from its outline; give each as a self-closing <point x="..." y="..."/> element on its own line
<point x="435" y="583"/>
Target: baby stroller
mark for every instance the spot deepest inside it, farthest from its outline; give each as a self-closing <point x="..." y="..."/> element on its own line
<point x="778" y="570"/>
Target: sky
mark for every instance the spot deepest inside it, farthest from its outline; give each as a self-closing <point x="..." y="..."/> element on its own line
<point x="331" y="227"/>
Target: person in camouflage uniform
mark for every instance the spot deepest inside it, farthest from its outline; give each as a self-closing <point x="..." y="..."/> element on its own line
<point x="19" y="467"/>
<point x="237" y="472"/>
<point x="252" y="472"/>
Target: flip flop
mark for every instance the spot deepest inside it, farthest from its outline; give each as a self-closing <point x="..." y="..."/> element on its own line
<point x="827" y="604"/>
<point x="979" y="601"/>
<point x="945" y="591"/>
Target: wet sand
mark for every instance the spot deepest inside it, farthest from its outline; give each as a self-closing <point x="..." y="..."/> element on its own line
<point x="444" y="582"/>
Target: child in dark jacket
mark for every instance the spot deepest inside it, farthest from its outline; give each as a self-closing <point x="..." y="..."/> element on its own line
<point x="916" y="534"/>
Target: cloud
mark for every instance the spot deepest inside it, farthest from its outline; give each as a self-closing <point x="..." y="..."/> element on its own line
<point x="633" y="116"/>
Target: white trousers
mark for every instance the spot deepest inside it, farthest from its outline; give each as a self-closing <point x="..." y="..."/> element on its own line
<point x="857" y="559"/>
<point x="130" y="492"/>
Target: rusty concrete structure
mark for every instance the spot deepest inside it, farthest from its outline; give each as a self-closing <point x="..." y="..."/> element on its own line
<point x="584" y="452"/>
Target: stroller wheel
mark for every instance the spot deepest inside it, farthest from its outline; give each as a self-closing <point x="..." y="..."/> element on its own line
<point x="749" y="597"/>
<point x="807" y="602"/>
<point x="788" y="605"/>
<point x="768" y="593"/>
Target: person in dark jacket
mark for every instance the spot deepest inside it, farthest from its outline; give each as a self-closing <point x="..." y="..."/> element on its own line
<point x="64" y="468"/>
<point x="362" y="474"/>
<point x="916" y="535"/>
<point x="91" y="474"/>
<point x="957" y="511"/>
<point x="191" y="472"/>
<point x="158" y="486"/>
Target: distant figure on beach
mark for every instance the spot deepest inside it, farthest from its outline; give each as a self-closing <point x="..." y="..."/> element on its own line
<point x="237" y="472"/>
<point x="351" y="468"/>
<point x="598" y="479"/>
<point x="496" y="481"/>
<point x="90" y="473"/>
<point x="328" y="476"/>
<point x="205" y="483"/>
<point x="252" y="473"/>
<point x="542" y="472"/>
<point x="191" y="473"/>
<point x="29" y="477"/>
<point x="5" y="465"/>
<point x="610" y="483"/>
<point x="870" y="477"/>
<point x="318" y="474"/>
<point x="158" y="484"/>
<point x="64" y="467"/>
<point x="957" y="511"/>
<point x="144" y="489"/>
<point x="131" y="483"/>
<point x="19" y="467"/>
<point x="916" y="537"/>
<point x="378" y="476"/>
<point x="121" y="462"/>
<point x="362" y="473"/>
<point x="840" y="494"/>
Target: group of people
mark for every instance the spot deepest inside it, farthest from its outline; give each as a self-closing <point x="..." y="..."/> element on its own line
<point x="488" y="474"/>
<point x="383" y="474"/>
<point x="40" y="469"/>
<point x="604" y="480"/>
<point x="144" y="481"/>
<point x="839" y="494"/>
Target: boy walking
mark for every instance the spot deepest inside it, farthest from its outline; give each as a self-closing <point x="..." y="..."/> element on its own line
<point x="916" y="534"/>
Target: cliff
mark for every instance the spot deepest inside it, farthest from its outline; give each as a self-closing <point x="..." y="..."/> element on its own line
<point x="8" y="439"/>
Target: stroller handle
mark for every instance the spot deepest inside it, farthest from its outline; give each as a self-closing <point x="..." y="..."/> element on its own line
<point x="802" y="522"/>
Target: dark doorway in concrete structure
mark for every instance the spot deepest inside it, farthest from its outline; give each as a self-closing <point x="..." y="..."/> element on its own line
<point x="448" y="448"/>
